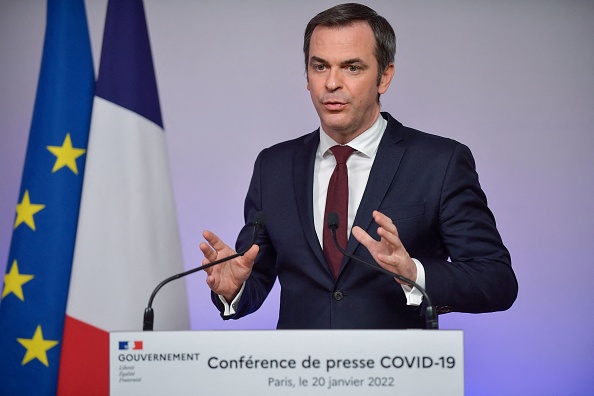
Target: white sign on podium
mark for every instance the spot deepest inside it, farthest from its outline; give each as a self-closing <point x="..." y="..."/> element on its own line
<point x="287" y="362"/>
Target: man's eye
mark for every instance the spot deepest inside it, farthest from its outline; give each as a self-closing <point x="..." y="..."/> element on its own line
<point x="353" y="68"/>
<point x="320" y="67"/>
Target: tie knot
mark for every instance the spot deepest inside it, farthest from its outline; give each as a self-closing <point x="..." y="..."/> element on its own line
<point x="342" y="153"/>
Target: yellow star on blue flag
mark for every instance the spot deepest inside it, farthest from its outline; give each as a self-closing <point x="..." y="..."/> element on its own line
<point x="14" y="281"/>
<point x="26" y="210"/>
<point x="66" y="155"/>
<point x="36" y="347"/>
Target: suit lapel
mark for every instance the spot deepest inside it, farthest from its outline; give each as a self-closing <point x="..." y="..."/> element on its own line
<point x="383" y="172"/>
<point x="304" y="160"/>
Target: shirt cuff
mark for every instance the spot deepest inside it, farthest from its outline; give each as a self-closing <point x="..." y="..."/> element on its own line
<point x="231" y="309"/>
<point x="413" y="295"/>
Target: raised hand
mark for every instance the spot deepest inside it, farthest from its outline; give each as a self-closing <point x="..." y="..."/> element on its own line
<point x="226" y="278"/>
<point x="388" y="252"/>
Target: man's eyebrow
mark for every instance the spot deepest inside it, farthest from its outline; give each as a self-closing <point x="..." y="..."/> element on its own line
<point x="317" y="59"/>
<point x="354" y="61"/>
<point x="347" y="62"/>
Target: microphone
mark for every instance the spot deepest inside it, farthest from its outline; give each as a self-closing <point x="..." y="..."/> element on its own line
<point x="430" y="313"/>
<point x="148" y="320"/>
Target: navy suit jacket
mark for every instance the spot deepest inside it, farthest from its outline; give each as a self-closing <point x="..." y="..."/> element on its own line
<point x="427" y="185"/>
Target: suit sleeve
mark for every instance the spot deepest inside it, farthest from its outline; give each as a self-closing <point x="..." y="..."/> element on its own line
<point x="263" y="274"/>
<point x="478" y="276"/>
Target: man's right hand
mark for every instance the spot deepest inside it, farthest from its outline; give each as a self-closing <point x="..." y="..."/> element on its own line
<point x="226" y="278"/>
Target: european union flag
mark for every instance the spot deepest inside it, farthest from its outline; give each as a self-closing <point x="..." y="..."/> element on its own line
<point x="38" y="272"/>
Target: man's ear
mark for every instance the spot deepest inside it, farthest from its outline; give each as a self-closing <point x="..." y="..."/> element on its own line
<point x="386" y="79"/>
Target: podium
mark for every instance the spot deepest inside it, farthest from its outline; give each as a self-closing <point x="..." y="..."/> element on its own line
<point x="287" y="362"/>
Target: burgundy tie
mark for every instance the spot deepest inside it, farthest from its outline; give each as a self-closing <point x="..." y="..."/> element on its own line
<point x="337" y="201"/>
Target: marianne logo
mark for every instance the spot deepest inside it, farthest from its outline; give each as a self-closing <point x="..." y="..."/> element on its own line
<point x="130" y="345"/>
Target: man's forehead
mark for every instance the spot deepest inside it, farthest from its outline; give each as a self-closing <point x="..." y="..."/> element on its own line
<point x="354" y="41"/>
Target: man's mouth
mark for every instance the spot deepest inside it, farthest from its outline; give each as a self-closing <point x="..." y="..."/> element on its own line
<point x="334" y="105"/>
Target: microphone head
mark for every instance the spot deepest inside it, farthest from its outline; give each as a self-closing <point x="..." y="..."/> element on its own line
<point x="332" y="220"/>
<point x="259" y="219"/>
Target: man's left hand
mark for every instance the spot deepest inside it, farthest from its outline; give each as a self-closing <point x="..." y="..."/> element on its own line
<point x="388" y="252"/>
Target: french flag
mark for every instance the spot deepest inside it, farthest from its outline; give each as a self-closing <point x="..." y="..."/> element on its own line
<point x="125" y="345"/>
<point x="127" y="237"/>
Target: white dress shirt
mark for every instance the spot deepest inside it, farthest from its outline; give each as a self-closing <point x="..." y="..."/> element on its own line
<point x="359" y="166"/>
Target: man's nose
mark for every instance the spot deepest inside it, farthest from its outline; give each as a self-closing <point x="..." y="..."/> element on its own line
<point x="334" y="80"/>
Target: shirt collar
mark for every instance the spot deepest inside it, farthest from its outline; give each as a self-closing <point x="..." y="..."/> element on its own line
<point x="366" y="143"/>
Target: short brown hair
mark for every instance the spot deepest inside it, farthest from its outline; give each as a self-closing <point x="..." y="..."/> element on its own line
<point x="347" y="14"/>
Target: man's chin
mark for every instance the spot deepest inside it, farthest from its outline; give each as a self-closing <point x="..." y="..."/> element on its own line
<point x="337" y="122"/>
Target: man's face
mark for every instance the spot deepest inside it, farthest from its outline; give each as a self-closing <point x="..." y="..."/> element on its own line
<point x="342" y="79"/>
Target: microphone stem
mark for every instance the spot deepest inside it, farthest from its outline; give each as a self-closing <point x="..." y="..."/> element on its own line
<point x="430" y="316"/>
<point x="148" y="312"/>
<point x="191" y="271"/>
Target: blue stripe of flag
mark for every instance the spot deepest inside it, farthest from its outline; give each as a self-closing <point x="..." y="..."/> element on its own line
<point x="126" y="72"/>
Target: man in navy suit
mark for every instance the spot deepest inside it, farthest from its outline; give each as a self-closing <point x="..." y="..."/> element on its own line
<point x="415" y="206"/>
